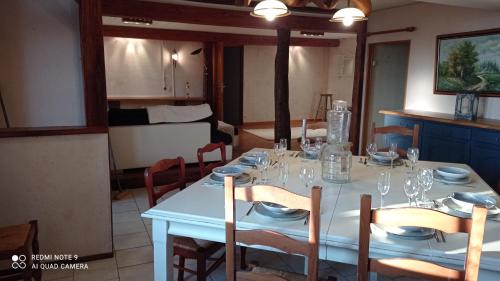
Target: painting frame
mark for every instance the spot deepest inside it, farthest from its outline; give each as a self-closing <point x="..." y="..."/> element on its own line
<point x="438" y="89"/>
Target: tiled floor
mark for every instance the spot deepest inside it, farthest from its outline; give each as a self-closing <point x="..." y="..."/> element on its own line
<point x="133" y="259"/>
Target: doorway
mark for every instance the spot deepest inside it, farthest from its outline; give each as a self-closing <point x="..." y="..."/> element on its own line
<point x="386" y="88"/>
<point x="233" y="85"/>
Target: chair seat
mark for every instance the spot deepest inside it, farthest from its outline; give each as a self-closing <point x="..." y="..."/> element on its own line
<point x="191" y="244"/>
<point x="13" y="237"/>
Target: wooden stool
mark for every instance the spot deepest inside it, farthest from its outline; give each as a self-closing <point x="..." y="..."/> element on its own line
<point x="325" y="104"/>
<point x="17" y="244"/>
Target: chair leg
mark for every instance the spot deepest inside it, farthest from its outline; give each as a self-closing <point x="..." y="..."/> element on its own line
<point x="243" y="259"/>
<point x="201" y="268"/>
<point x="180" y="273"/>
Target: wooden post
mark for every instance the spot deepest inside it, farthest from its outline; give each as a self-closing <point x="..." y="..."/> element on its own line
<point x="357" y="89"/>
<point x="281" y="105"/>
<point x="94" y="77"/>
<point x="219" y="80"/>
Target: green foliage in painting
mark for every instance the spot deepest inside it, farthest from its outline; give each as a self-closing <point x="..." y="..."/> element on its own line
<point x="469" y="64"/>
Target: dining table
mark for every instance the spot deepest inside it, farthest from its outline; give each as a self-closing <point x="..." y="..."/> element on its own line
<point x="198" y="212"/>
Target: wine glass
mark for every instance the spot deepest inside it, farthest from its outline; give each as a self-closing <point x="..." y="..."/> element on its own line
<point x="318" y="143"/>
<point x="277" y="151"/>
<point x="262" y="163"/>
<point x="371" y="149"/>
<point x="425" y="178"/>
<point x="413" y="154"/>
<point x="284" y="173"/>
<point x="305" y="144"/>
<point x="306" y="175"/>
<point x="383" y="185"/>
<point x="283" y="143"/>
<point x="410" y="186"/>
<point x="310" y="177"/>
<point x="393" y="152"/>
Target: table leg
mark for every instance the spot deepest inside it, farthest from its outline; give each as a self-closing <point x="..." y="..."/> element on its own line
<point x="163" y="251"/>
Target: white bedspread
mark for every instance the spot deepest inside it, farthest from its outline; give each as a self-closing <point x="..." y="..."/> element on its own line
<point x="178" y="114"/>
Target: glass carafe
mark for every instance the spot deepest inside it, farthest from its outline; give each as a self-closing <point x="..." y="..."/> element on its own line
<point x="339" y="121"/>
<point x="336" y="162"/>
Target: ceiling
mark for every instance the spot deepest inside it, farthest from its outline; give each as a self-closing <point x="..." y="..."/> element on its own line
<point x="376" y="4"/>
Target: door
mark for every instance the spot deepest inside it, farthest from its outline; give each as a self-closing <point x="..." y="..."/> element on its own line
<point x="233" y="85"/>
<point x="386" y="87"/>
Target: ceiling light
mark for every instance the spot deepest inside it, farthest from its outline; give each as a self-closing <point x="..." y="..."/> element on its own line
<point x="175" y="55"/>
<point x="270" y="9"/>
<point x="348" y="15"/>
<point x="312" y="33"/>
<point x="137" y="21"/>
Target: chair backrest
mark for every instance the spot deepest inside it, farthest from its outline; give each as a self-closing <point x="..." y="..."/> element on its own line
<point x="404" y="131"/>
<point x="160" y="167"/>
<point x="422" y="218"/>
<point x="206" y="169"/>
<point x="269" y="238"/>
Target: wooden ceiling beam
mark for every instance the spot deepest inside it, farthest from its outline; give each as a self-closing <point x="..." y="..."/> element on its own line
<point x="242" y="2"/>
<point x="218" y="17"/>
<point x="199" y="36"/>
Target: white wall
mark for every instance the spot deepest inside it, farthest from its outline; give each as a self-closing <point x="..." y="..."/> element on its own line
<point x="341" y="70"/>
<point x="40" y="69"/>
<point x="431" y="20"/>
<point x="63" y="182"/>
<point x="308" y="77"/>
<point x="134" y="67"/>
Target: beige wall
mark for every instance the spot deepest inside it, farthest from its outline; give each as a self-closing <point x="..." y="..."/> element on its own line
<point x="431" y="20"/>
<point x="308" y="77"/>
<point x="341" y="70"/>
<point x="63" y="182"/>
<point x="40" y="70"/>
<point x="134" y="67"/>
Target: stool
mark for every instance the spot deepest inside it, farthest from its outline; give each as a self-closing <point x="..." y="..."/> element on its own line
<point x="325" y="104"/>
<point x="17" y="244"/>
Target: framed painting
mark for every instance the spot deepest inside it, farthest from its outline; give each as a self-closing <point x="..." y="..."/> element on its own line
<point x="468" y="62"/>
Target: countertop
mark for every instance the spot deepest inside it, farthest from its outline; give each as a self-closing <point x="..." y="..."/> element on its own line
<point x="492" y="124"/>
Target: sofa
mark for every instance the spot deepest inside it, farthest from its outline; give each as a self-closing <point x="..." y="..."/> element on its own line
<point x="137" y="144"/>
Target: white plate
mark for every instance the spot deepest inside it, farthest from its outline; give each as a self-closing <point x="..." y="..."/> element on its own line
<point x="224" y="171"/>
<point x="384" y="157"/>
<point x="448" y="206"/>
<point x="276" y="208"/>
<point x="467" y="200"/>
<point x="452" y="172"/>
<point x="252" y="156"/>
<point x="442" y="179"/>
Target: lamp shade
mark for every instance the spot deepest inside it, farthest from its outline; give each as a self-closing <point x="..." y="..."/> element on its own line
<point x="348" y="15"/>
<point x="270" y="9"/>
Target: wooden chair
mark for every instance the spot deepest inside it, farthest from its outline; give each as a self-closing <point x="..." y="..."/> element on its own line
<point x="423" y="218"/>
<point x="22" y="241"/>
<point x="184" y="247"/>
<point x="414" y="133"/>
<point x="270" y="238"/>
<point x="207" y="169"/>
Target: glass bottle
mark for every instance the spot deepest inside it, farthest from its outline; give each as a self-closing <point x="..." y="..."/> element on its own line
<point x="336" y="156"/>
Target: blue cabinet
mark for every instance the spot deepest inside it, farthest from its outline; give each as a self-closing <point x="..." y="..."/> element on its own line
<point x="443" y="142"/>
<point x="485" y="155"/>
